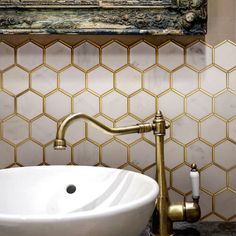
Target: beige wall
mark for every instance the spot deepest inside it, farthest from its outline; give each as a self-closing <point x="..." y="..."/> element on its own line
<point x="221" y="21"/>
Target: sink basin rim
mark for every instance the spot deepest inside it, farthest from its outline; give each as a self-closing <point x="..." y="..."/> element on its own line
<point x="83" y="214"/>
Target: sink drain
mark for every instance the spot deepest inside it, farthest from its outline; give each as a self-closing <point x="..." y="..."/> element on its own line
<point x="71" y="189"/>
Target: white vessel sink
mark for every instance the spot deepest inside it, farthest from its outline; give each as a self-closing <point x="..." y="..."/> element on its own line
<point x="34" y="201"/>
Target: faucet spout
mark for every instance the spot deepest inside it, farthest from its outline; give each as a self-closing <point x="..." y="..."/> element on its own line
<point x="60" y="142"/>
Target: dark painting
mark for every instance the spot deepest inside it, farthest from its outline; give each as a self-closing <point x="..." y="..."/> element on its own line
<point x="90" y="2"/>
<point x="156" y="17"/>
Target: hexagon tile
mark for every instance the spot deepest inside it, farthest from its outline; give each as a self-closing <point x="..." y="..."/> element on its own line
<point x="118" y="84"/>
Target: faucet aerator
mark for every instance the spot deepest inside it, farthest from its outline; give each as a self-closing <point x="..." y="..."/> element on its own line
<point x="59" y="144"/>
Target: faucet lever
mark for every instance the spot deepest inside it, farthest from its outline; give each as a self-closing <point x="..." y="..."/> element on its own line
<point x="194" y="175"/>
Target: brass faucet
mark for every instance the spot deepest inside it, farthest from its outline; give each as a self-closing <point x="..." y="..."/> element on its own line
<point x="165" y="212"/>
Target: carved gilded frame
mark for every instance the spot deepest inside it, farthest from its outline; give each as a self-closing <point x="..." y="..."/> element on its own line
<point x="155" y="17"/>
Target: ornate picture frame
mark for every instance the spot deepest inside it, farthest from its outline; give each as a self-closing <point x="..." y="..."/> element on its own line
<point x="154" y="17"/>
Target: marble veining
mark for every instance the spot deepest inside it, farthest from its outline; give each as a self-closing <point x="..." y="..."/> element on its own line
<point x="195" y="94"/>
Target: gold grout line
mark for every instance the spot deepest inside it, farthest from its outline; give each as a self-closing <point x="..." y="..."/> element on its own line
<point x="129" y="97"/>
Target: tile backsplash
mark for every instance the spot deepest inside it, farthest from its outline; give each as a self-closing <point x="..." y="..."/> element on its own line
<point x="194" y="86"/>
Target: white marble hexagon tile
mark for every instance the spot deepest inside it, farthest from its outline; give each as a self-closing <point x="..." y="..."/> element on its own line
<point x="194" y="86"/>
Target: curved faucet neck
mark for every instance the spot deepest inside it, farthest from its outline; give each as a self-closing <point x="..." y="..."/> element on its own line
<point x="60" y="142"/>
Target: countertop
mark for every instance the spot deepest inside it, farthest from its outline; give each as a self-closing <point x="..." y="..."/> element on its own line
<point x="202" y="229"/>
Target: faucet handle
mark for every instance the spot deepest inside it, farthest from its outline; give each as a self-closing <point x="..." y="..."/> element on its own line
<point x="194" y="175"/>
